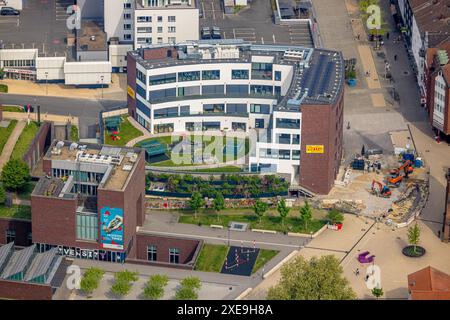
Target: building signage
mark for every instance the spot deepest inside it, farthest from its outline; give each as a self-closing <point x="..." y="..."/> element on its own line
<point x="111" y="228"/>
<point x="131" y="92"/>
<point x="78" y="253"/>
<point x="20" y="71"/>
<point x="314" y="149"/>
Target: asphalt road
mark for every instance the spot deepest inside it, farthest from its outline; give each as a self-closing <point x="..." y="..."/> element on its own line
<point x="87" y="110"/>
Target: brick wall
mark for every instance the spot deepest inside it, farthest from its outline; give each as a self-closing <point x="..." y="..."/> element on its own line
<point x="321" y="125"/>
<point x="187" y="248"/>
<point x="160" y="53"/>
<point x="21" y="227"/>
<point x="39" y="145"/>
<point x="24" y="291"/>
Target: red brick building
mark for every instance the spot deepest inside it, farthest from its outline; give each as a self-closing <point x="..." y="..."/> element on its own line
<point x="446" y="224"/>
<point x="437" y="81"/>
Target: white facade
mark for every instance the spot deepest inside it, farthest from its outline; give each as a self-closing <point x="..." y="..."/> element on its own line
<point x="416" y="45"/>
<point x="50" y="68"/>
<point x="117" y="55"/>
<point x="119" y="19"/>
<point x="87" y="73"/>
<point x="439" y="102"/>
<point x="166" y="25"/>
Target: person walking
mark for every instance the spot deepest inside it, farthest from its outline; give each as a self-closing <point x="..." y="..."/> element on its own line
<point x="395" y="57"/>
<point x="357" y="272"/>
<point x="387" y="35"/>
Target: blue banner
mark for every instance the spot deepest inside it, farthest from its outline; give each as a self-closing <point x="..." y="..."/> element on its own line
<point x="111" y="228"/>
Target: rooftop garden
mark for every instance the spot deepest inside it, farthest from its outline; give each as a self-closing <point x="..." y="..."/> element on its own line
<point x="18" y="212"/>
<point x="25" y="140"/>
<point x="5" y="133"/>
<point x="121" y="132"/>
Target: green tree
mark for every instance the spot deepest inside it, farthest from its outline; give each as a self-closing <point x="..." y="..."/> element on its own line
<point x="218" y="204"/>
<point x="306" y="214"/>
<point x="377" y="292"/>
<point x="315" y="279"/>
<point x="196" y="202"/>
<point x="188" y="289"/>
<point x="334" y="216"/>
<point x="283" y="210"/>
<point x="154" y="288"/>
<point x="260" y="208"/>
<point x="15" y="175"/>
<point x="126" y="275"/>
<point x="2" y="195"/>
<point x="414" y="236"/>
<point x="91" y="280"/>
<point x="123" y="282"/>
<point x="2" y="73"/>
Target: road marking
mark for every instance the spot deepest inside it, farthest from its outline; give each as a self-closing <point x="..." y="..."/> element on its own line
<point x="214" y="15"/>
<point x="262" y="40"/>
<point x="273" y="36"/>
<point x="223" y="238"/>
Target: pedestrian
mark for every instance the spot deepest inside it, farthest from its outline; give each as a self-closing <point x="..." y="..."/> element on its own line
<point x="395" y="57"/>
<point x="357" y="37"/>
<point x="366" y="278"/>
<point x="387" y="35"/>
<point x="357" y="272"/>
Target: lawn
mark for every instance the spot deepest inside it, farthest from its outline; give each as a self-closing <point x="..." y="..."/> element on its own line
<point x="167" y="140"/>
<point x="211" y="258"/>
<point x="24" y="141"/>
<point x="12" y="109"/>
<point x="270" y="221"/>
<point x="264" y="256"/>
<point x="5" y="133"/>
<point x="127" y="132"/>
<point x="18" y="212"/>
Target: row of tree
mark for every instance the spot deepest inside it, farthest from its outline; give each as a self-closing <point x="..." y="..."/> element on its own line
<point x="154" y="288"/>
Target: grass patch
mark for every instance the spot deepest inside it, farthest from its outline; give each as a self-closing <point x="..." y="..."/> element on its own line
<point x="74" y="133"/>
<point x="3" y="88"/>
<point x="24" y="141"/>
<point x="264" y="256"/>
<point x="270" y="221"/>
<point x="5" y="133"/>
<point x="211" y="258"/>
<point x="18" y="212"/>
<point x="12" y="109"/>
<point x="127" y="132"/>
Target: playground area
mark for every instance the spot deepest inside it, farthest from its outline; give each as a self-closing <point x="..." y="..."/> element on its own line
<point x="240" y="261"/>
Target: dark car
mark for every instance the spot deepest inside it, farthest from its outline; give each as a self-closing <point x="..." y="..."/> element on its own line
<point x="8" y="11"/>
<point x="206" y="33"/>
<point x="215" y="34"/>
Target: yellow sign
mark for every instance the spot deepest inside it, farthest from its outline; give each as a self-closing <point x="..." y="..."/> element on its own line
<point x="314" y="149"/>
<point x="131" y="92"/>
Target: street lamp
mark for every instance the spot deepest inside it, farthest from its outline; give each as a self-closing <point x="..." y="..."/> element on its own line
<point x="102" y="78"/>
<point x="229" y="230"/>
<point x="46" y="83"/>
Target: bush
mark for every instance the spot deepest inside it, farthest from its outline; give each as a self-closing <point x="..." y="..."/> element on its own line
<point x="2" y="195"/>
<point x="123" y="280"/>
<point x="188" y="289"/>
<point x="91" y="279"/>
<point x="154" y="288"/>
<point x="3" y="88"/>
<point x="334" y="216"/>
<point x="15" y="175"/>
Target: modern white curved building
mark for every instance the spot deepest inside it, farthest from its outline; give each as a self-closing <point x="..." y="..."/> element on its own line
<point x="289" y="96"/>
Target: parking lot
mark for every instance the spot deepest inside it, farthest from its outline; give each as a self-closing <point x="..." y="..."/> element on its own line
<point x="41" y="25"/>
<point x="253" y="24"/>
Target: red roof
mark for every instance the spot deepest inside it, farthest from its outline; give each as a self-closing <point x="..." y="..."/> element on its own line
<point x="429" y="284"/>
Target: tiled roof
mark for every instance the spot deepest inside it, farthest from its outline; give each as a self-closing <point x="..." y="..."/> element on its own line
<point x="429" y="283"/>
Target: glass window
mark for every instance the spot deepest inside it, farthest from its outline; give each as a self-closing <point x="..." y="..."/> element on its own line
<point x="143" y="108"/>
<point x="163" y="78"/>
<point x="189" y="91"/>
<point x="295" y="154"/>
<point x="163" y="128"/>
<point x="261" y="90"/>
<point x="284" y="154"/>
<point x="237" y="89"/>
<point x="10" y="236"/>
<point x="141" y="91"/>
<point x="236" y="108"/>
<point x="259" y="123"/>
<point x="171" y="29"/>
<point x="144" y="19"/>
<point x="277" y="75"/>
<point x="213" y="108"/>
<point x="277" y="91"/>
<point x="174" y="255"/>
<point x="87" y="227"/>
<point x="160" y="29"/>
<point x="171" y="18"/>
<point x="144" y="30"/>
<point x="295" y="139"/>
<point x="152" y="253"/>
<point x="260" y="108"/>
<point x="189" y="76"/>
<point x="162" y="94"/>
<point x="238" y="126"/>
<point x="284" y="138"/>
<point x="211" y="75"/>
<point x="185" y="110"/>
<point x="165" y="112"/>
<point x="141" y="76"/>
<point x="239" y="74"/>
<point x="160" y="18"/>
<point x="288" y="123"/>
<point x="217" y="89"/>
<point x="262" y="71"/>
<point x="144" y="40"/>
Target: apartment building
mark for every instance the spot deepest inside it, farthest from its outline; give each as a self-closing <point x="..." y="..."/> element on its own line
<point x="289" y="97"/>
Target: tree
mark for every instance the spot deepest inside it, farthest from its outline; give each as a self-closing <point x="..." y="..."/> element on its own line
<point x="377" y="292"/>
<point x="334" y="216"/>
<point x="218" y="204"/>
<point x="306" y="214"/>
<point x="2" y="195"/>
<point x="260" y="209"/>
<point x="414" y="235"/>
<point x="283" y="210"/>
<point x="154" y="288"/>
<point x="2" y="73"/>
<point x="123" y="280"/>
<point x="196" y="202"/>
<point x="188" y="289"/>
<point x="314" y="279"/>
<point x="15" y="175"/>
<point x="91" y="280"/>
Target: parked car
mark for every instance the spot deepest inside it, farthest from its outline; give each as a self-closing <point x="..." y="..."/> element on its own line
<point x="8" y="11"/>
<point x="215" y="34"/>
<point x="206" y="33"/>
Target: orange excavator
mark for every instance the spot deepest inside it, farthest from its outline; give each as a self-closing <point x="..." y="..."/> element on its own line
<point x="396" y="174"/>
<point x="380" y="190"/>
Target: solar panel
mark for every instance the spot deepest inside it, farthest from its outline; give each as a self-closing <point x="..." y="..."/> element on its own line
<point x="325" y="80"/>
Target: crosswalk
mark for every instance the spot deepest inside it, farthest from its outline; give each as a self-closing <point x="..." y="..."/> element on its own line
<point x="61" y="9"/>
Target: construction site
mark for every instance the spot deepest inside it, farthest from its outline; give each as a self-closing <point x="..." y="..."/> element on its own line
<point x="389" y="188"/>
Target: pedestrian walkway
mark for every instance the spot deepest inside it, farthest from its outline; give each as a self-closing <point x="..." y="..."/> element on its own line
<point x="9" y="146"/>
<point x="145" y="132"/>
<point x="369" y="68"/>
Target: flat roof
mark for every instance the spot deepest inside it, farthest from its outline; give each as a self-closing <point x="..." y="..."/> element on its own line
<point x="164" y="5"/>
<point x="91" y="36"/>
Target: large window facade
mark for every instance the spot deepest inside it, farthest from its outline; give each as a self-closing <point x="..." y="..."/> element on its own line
<point x="261" y="90"/>
<point x="237" y="89"/>
<point x="189" y="76"/>
<point x="163" y="78"/>
<point x="237" y="108"/>
<point x="87" y="227"/>
<point x="239" y="74"/>
<point x="262" y="71"/>
<point x="163" y="128"/>
<point x="211" y="75"/>
<point x="288" y="123"/>
<point x="260" y="108"/>
<point x="163" y="94"/>
<point x="189" y="91"/>
<point x="214" y="89"/>
<point x="213" y="108"/>
<point x="165" y="112"/>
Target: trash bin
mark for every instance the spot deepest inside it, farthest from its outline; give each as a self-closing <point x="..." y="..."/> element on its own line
<point x="351" y="82"/>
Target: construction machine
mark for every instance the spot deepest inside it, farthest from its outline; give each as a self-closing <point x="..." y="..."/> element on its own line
<point x="380" y="190"/>
<point x="406" y="168"/>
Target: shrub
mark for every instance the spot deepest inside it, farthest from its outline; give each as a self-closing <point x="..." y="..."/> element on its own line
<point x="154" y="288"/>
<point x="91" y="280"/>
